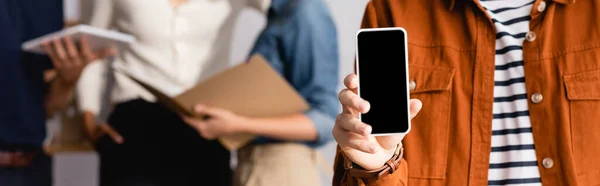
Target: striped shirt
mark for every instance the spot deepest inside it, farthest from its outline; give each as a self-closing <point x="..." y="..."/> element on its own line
<point x="512" y="160"/>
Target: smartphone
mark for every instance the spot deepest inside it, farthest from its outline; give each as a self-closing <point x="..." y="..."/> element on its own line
<point x="382" y="69"/>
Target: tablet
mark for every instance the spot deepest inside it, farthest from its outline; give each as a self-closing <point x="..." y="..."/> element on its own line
<point x="97" y="37"/>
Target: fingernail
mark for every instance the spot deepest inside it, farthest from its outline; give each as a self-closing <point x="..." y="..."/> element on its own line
<point x="119" y="140"/>
<point x="364" y="107"/>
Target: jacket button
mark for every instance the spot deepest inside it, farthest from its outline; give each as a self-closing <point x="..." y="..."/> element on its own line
<point x="530" y="36"/>
<point x="542" y="6"/>
<point x="412" y="85"/>
<point x="548" y="163"/>
<point x="537" y="98"/>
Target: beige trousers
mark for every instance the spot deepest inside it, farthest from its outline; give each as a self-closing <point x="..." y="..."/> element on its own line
<point x="283" y="164"/>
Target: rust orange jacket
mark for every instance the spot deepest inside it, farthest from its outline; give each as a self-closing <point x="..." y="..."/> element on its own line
<point x="451" y="59"/>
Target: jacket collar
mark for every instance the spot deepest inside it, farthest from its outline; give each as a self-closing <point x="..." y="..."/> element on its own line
<point x="452" y="3"/>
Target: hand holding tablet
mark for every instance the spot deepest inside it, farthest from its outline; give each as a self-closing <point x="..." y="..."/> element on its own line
<point x="71" y="49"/>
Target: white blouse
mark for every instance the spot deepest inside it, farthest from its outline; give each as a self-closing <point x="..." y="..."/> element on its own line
<point x="175" y="47"/>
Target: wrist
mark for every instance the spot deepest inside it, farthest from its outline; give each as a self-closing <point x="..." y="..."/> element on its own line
<point x="89" y="122"/>
<point x="379" y="160"/>
<point x="63" y="84"/>
<point x="245" y="125"/>
<point x="389" y="167"/>
<point x="387" y="155"/>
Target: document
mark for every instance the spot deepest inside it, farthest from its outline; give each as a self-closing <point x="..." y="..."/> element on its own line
<point x="252" y="89"/>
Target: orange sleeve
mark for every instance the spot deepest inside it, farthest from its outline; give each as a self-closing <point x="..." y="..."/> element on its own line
<point x="342" y="178"/>
<point x="376" y="15"/>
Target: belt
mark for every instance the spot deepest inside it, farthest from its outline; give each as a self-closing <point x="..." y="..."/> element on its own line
<point x="16" y="159"/>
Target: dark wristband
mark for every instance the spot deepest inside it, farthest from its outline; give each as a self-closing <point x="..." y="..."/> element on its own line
<point x="390" y="167"/>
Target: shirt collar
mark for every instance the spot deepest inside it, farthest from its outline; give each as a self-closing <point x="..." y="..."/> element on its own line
<point x="278" y="5"/>
<point x="451" y="3"/>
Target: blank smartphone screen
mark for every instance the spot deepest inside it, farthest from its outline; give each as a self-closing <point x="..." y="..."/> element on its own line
<point x="382" y="80"/>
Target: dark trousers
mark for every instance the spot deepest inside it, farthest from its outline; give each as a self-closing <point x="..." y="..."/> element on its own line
<point x="159" y="149"/>
<point x="38" y="173"/>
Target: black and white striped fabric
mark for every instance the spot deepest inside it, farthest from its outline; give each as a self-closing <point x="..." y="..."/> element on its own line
<point x="512" y="160"/>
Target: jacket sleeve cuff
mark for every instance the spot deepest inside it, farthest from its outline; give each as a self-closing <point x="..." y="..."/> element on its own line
<point x="324" y="124"/>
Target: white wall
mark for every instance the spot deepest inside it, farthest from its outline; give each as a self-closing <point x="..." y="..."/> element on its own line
<point x="80" y="169"/>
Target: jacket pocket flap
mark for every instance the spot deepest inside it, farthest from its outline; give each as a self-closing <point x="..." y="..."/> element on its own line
<point x="583" y="86"/>
<point x="427" y="79"/>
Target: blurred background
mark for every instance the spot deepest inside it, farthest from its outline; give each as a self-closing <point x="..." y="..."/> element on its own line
<point x="81" y="168"/>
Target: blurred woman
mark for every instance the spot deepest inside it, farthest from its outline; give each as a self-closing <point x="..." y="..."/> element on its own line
<point x="179" y="43"/>
<point x="300" y="42"/>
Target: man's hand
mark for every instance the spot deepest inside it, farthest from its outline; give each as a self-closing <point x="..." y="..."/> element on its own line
<point x="353" y="136"/>
<point x="219" y="123"/>
<point x="69" y="59"/>
<point x="95" y="131"/>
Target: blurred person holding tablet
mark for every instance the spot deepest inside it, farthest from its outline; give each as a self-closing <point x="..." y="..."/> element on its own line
<point x="28" y="97"/>
<point x="300" y="42"/>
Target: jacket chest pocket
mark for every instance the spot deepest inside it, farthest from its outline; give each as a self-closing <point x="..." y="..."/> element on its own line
<point x="427" y="142"/>
<point x="583" y="93"/>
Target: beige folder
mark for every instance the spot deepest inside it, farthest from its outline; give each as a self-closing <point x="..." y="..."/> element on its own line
<point x="252" y="89"/>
